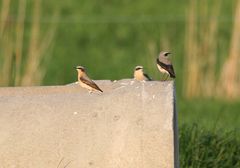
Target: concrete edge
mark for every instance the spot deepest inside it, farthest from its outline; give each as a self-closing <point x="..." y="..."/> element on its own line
<point x="175" y="130"/>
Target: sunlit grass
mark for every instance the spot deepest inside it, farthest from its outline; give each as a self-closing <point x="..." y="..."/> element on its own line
<point x="18" y="67"/>
<point x="230" y="76"/>
<point x="202" y="53"/>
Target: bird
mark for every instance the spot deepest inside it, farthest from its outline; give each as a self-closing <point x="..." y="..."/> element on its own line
<point x="140" y="75"/>
<point x="165" y="65"/>
<point x="85" y="81"/>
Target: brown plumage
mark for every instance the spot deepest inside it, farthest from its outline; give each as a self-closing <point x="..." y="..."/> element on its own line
<point x="90" y="83"/>
<point x="85" y="81"/>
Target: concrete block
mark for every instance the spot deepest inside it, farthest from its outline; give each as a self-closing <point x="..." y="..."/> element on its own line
<point x="131" y="125"/>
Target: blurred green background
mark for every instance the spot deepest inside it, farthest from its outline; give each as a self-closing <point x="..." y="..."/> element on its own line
<point x="41" y="42"/>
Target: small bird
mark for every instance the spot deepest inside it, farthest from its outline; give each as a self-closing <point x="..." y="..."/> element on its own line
<point x="85" y="81"/>
<point x="165" y="65"/>
<point x="140" y="75"/>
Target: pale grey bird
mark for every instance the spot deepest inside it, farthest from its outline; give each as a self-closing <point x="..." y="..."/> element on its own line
<point x="140" y="75"/>
<point x="165" y="65"/>
<point x="85" y="81"/>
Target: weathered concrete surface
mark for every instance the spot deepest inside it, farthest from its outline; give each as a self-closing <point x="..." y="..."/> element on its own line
<point x="130" y="125"/>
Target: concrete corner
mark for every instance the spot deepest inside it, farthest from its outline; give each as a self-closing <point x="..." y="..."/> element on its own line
<point x="131" y="125"/>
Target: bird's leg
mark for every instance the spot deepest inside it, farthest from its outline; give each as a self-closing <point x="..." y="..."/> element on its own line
<point x="166" y="77"/>
<point x="163" y="76"/>
<point x="90" y="91"/>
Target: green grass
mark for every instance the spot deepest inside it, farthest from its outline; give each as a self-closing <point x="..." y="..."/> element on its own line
<point x="210" y="114"/>
<point x="208" y="149"/>
<point x="209" y="133"/>
<point x="110" y="38"/>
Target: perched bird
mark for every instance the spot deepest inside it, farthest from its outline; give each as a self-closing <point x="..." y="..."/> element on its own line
<point x="85" y="81"/>
<point x="165" y="65"/>
<point x="140" y="75"/>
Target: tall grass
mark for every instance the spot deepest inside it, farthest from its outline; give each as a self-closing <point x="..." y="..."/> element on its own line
<point x="230" y="76"/>
<point x="17" y="66"/>
<point x="19" y="39"/>
<point x="201" y="53"/>
<point x="23" y="51"/>
<point x="200" y="148"/>
<point x="200" y="48"/>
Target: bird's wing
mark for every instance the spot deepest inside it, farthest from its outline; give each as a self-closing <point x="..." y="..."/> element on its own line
<point x="90" y="83"/>
<point x="168" y="68"/>
<point x="148" y="78"/>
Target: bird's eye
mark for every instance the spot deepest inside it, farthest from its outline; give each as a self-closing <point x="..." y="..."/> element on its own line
<point x="139" y="68"/>
<point x="166" y="54"/>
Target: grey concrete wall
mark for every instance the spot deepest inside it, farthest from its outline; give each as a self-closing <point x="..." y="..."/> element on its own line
<point x="130" y="125"/>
